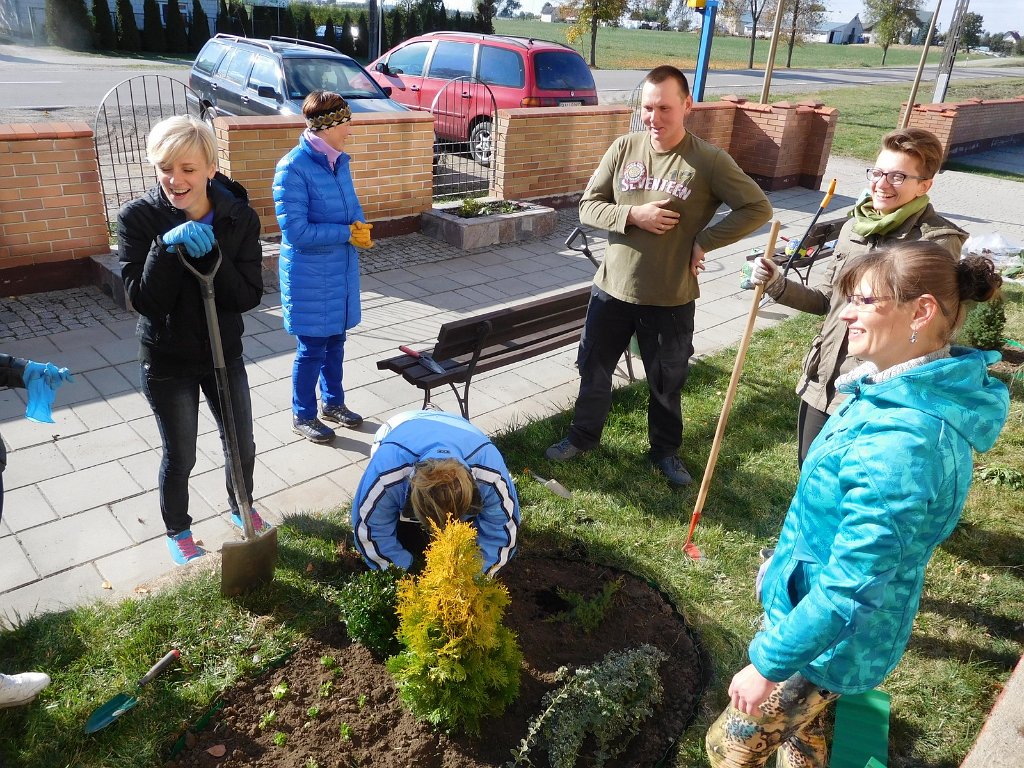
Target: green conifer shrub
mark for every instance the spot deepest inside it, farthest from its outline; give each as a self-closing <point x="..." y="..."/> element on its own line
<point x="368" y="610"/>
<point x="128" y="38"/>
<point x="459" y="664"/>
<point x="177" y="37"/>
<point x="68" y="25"/>
<point x="106" y="39"/>
<point x="984" y="324"/>
<point x="199" y="29"/>
<point x="153" y="38"/>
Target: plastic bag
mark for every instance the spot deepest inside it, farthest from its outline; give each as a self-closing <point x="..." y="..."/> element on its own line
<point x="1004" y="253"/>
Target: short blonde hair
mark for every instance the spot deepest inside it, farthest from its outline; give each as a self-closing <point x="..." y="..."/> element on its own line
<point x="440" y="490"/>
<point x="176" y="136"/>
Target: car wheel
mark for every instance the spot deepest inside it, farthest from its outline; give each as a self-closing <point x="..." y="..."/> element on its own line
<point x="481" y="146"/>
<point x="209" y="113"/>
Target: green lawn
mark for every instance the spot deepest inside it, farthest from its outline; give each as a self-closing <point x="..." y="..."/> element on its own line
<point x="643" y="49"/>
<point x="966" y="640"/>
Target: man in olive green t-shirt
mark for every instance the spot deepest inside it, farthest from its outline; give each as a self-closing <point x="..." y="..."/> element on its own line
<point x="655" y="193"/>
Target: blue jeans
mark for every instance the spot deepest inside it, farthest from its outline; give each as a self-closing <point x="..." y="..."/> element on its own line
<point x="317" y="358"/>
<point x="175" y="404"/>
<point x="665" y="337"/>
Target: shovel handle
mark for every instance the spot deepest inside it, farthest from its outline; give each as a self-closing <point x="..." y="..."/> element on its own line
<point x="409" y="351"/>
<point x="160" y="666"/>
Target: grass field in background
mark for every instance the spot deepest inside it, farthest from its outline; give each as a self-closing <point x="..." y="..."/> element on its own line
<point x="619" y="48"/>
<point x="966" y="639"/>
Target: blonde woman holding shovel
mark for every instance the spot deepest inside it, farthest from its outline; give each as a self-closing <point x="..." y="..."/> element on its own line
<point x="895" y="210"/>
<point x="880" y="489"/>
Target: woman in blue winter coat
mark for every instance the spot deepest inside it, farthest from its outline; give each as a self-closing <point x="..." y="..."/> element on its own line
<point x="321" y="220"/>
<point x="882" y="486"/>
<point x="427" y="468"/>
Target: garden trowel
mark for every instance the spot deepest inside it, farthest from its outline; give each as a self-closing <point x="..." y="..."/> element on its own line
<point x="552" y="485"/>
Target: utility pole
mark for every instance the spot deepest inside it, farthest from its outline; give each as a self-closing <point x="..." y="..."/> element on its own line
<point x="949" y="52"/>
<point x="920" y="67"/>
<point x="373" y="44"/>
<point x="708" y="9"/>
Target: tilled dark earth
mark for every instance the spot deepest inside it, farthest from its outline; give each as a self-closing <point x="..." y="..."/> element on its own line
<point x="361" y="722"/>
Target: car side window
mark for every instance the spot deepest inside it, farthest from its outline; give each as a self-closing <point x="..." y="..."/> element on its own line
<point x="208" y="58"/>
<point x="236" y="66"/>
<point x="264" y="72"/>
<point x="500" y="66"/>
<point x="409" y="60"/>
<point x="451" y="60"/>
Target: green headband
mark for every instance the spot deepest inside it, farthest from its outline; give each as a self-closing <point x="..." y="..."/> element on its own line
<point x="329" y="119"/>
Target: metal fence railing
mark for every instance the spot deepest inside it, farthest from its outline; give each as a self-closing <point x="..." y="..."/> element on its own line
<point x="464" y="113"/>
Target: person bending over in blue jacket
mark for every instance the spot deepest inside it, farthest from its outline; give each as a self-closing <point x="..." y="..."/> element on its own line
<point x="321" y="220"/>
<point x="882" y="486"/>
<point x="428" y="468"/>
<point x="191" y="207"/>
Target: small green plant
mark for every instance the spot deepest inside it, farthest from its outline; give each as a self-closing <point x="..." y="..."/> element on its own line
<point x="267" y="719"/>
<point x="983" y="327"/>
<point x="328" y="662"/>
<point x="588" y="614"/>
<point x="470" y="207"/>
<point x="345" y="731"/>
<point x="279" y="691"/>
<point x="311" y="763"/>
<point x="608" y="701"/>
<point x="313" y="712"/>
<point x="368" y="610"/>
<point x="325" y="689"/>
<point x="361" y="701"/>
<point x="279" y="739"/>
<point x="459" y="663"/>
<point x="998" y="475"/>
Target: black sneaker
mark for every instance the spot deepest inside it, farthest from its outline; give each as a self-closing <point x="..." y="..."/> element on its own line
<point x="563" y="450"/>
<point x="313" y="430"/>
<point x="673" y="468"/>
<point x="339" y="414"/>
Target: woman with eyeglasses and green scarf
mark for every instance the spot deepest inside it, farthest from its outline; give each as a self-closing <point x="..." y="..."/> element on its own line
<point x="894" y="210"/>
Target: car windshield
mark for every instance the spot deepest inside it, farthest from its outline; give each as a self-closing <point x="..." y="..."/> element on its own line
<point x="562" y="71"/>
<point x="345" y="77"/>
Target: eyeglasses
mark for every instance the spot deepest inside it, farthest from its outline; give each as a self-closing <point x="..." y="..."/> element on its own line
<point x="895" y="178"/>
<point x="866" y="303"/>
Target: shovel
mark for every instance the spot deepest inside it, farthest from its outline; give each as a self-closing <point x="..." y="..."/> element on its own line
<point x="426" y="360"/>
<point x="107" y="713"/>
<point x="552" y="485"/>
<point x="247" y="564"/>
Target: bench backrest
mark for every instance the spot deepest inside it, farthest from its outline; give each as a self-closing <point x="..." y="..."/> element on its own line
<point x="540" y="323"/>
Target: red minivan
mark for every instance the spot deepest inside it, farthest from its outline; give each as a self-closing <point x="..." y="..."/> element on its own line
<point x="520" y="72"/>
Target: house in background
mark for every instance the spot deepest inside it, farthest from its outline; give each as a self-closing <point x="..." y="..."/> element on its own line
<point x="839" y="34"/>
<point x="914" y="36"/>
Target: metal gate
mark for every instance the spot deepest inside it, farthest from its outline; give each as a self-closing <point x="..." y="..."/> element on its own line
<point x="464" y="113"/>
<point x="124" y="119"/>
<point x="635" y="120"/>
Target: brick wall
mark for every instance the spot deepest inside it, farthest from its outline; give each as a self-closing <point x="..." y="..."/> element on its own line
<point x="392" y="157"/>
<point x="973" y="125"/>
<point x="51" y="209"/>
<point x="543" y="154"/>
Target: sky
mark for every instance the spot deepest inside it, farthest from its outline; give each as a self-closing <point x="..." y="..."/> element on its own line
<point x="999" y="15"/>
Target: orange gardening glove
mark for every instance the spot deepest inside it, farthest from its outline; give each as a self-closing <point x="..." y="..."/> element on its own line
<point x="360" y="234"/>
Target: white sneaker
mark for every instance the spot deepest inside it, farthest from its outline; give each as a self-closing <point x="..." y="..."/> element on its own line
<point x="16" y="690"/>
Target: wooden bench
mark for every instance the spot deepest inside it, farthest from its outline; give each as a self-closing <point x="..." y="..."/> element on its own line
<point x="819" y="244"/>
<point x="495" y="339"/>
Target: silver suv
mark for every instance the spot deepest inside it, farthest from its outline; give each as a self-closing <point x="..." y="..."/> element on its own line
<point x="239" y="76"/>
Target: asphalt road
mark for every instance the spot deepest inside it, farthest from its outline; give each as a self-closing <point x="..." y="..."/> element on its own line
<point x="50" y="83"/>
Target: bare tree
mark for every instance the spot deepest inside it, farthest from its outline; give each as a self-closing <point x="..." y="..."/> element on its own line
<point x="756" y="9"/>
<point x="891" y="19"/>
<point x="800" y="19"/>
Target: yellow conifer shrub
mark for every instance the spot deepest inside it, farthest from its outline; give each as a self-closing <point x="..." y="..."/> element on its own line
<point x="459" y="663"/>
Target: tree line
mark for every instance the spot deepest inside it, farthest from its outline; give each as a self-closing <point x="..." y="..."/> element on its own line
<point x="70" y="24"/>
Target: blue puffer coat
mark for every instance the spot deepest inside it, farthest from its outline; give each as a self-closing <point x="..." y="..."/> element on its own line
<point x="319" y="267"/>
<point x="882" y="486"/>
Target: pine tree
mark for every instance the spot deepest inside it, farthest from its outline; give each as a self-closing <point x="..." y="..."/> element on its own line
<point x="412" y="25"/>
<point x="106" y="40"/>
<point x="347" y="44"/>
<point x="396" y="35"/>
<point x="128" y="38"/>
<point x="153" y="38"/>
<point x="330" y="35"/>
<point x="289" y="27"/>
<point x="68" y="25"/>
<point x="306" y="28"/>
<point x="457" y="21"/>
<point x="363" y="43"/>
<point x="199" y="31"/>
<point x="177" y="37"/>
<point x="223" y="18"/>
<point x="240" y="19"/>
<point x="485" y="11"/>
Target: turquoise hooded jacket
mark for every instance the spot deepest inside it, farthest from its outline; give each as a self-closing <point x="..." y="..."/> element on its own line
<point x="882" y="486"/>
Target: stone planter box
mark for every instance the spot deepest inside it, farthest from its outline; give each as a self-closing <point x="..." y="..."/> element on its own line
<point x="482" y="231"/>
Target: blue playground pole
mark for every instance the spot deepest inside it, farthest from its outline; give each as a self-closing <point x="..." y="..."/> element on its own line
<point x="707" y="31"/>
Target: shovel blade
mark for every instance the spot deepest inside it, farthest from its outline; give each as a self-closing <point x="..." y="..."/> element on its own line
<point x="248" y="565"/>
<point x="691" y="549"/>
<point x="558" y="489"/>
<point x="109" y="712"/>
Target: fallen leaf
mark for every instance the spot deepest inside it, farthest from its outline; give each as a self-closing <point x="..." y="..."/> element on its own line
<point x="141" y="590"/>
<point x="107" y="585"/>
<point x="199" y="542"/>
<point x="217" y="750"/>
<point x="309" y="568"/>
<point x="985" y="577"/>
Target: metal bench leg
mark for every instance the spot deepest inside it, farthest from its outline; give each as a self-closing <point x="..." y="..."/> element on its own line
<point x="463" y="399"/>
<point x="426" y="399"/>
<point x="629" y="366"/>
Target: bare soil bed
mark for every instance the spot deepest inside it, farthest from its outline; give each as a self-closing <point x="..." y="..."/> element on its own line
<point x="361" y="721"/>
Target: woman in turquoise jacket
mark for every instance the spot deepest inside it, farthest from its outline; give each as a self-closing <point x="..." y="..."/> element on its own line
<point x="882" y="486"/>
<point x="321" y="220"/>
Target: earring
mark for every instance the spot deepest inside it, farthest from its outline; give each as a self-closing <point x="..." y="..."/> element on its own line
<point x="913" y="337"/>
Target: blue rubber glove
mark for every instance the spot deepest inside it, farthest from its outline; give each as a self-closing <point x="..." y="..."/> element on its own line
<point x="195" y="236"/>
<point x="42" y="382"/>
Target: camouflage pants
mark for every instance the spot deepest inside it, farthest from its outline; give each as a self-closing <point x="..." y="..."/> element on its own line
<point x="790" y="725"/>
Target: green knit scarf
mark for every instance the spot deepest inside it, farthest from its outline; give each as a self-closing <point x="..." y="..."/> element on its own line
<point x="868" y="221"/>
